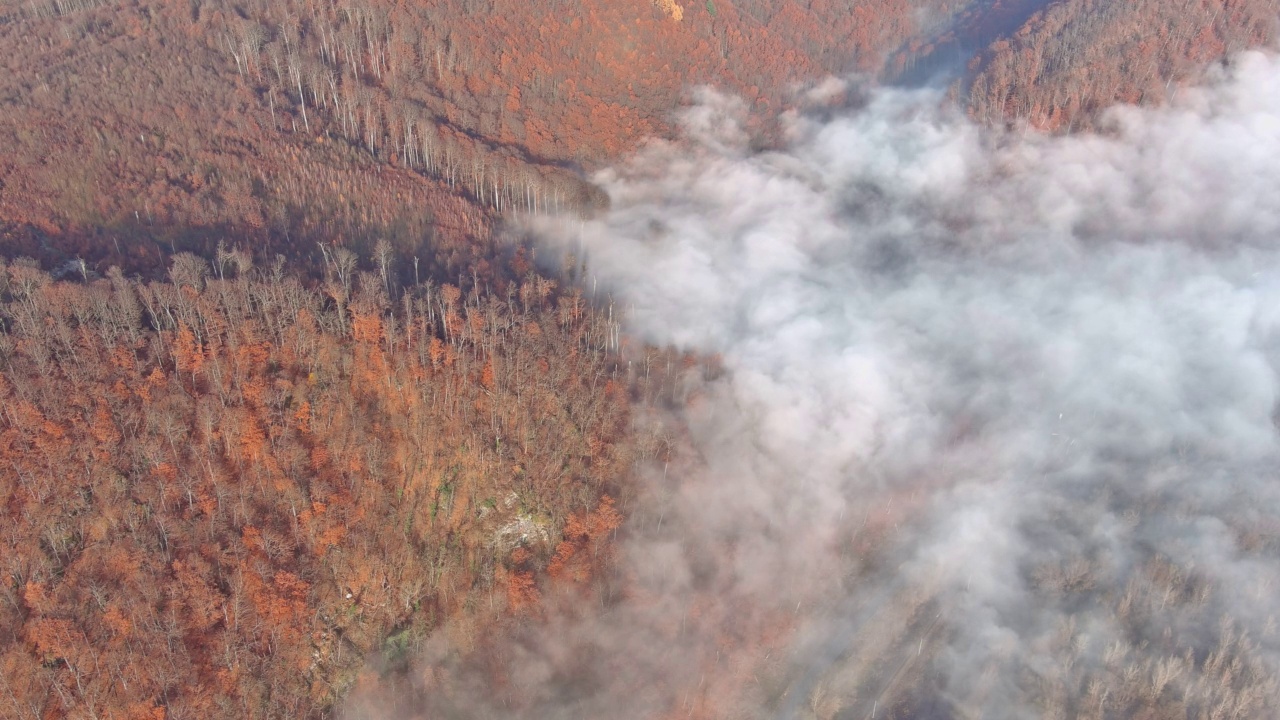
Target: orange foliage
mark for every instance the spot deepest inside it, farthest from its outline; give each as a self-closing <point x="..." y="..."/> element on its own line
<point x="187" y="354"/>
<point x="522" y="591"/>
<point x="585" y="540"/>
<point x="1075" y="58"/>
<point x="239" y="526"/>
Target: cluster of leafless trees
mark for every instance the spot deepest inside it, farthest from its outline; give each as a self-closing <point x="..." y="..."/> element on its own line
<point x="57" y="8"/>
<point x="347" y="64"/>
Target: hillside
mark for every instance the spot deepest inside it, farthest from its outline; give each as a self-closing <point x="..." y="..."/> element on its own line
<point x="282" y="397"/>
<point x="1076" y="58"/>
<point x="223" y="492"/>
<point x="134" y="127"/>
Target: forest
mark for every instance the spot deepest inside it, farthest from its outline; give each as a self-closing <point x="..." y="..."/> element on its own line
<point x="281" y="394"/>
<point x="1074" y="59"/>
<point x="224" y="491"/>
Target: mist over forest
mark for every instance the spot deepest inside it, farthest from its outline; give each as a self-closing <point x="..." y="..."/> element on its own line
<point x="992" y="431"/>
<point x="592" y="358"/>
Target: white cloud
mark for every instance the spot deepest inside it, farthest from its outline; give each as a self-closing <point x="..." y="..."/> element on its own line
<point x="999" y="355"/>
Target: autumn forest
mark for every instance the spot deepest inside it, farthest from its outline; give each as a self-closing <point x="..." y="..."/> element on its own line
<point x="285" y="391"/>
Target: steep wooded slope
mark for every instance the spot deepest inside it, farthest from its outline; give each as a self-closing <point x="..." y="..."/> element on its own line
<point x="1078" y="57"/>
<point x="198" y="472"/>
<point x="136" y="127"/>
<point x="222" y="493"/>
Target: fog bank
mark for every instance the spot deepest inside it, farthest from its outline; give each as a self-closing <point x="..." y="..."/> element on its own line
<point x="995" y="435"/>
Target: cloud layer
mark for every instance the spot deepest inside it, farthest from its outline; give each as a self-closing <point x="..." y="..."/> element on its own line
<point x="996" y="434"/>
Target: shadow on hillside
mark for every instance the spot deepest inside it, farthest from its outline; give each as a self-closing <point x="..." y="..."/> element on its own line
<point x="143" y="249"/>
